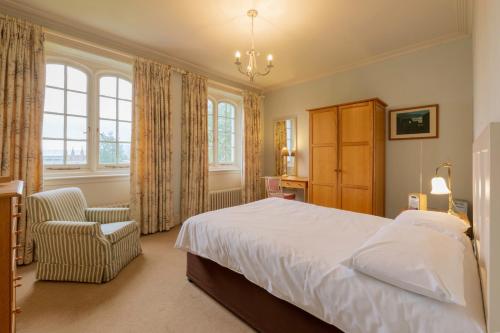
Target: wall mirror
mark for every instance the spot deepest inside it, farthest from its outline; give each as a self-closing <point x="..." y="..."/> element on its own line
<point x="285" y="146"/>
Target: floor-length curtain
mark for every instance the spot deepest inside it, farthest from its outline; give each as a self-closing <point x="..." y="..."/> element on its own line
<point x="194" y="178"/>
<point x="279" y="143"/>
<point x="22" y="81"/>
<point x="150" y="164"/>
<point x="252" y="146"/>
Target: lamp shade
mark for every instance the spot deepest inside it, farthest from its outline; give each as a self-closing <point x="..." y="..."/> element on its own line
<point x="284" y="151"/>
<point x="439" y="186"/>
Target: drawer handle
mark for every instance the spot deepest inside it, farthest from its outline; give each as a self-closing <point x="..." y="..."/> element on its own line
<point x="17" y="247"/>
<point x="17" y="285"/>
<point x="17" y="278"/>
<point x="19" y="258"/>
<point x="17" y="310"/>
<point x="20" y="231"/>
<point x="18" y="215"/>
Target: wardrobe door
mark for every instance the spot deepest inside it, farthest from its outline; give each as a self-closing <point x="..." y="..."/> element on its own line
<point x="323" y="154"/>
<point x="356" y="157"/>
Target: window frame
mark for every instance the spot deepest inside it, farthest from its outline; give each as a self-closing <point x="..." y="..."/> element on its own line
<point x="216" y="99"/>
<point x="87" y="72"/>
<point x="92" y="168"/>
<point x="118" y="76"/>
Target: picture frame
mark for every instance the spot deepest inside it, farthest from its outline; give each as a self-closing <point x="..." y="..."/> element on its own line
<point x="419" y="122"/>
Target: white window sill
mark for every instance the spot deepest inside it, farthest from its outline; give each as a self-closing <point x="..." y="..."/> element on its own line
<point x="224" y="169"/>
<point x="85" y="176"/>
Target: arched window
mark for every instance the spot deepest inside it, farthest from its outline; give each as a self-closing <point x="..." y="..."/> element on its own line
<point x="221" y="133"/>
<point x="115" y="120"/>
<point x="65" y="118"/>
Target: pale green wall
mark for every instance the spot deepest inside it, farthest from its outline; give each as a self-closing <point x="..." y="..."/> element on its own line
<point x="438" y="75"/>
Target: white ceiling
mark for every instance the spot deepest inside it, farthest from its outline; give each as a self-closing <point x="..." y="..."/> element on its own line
<point x="308" y="39"/>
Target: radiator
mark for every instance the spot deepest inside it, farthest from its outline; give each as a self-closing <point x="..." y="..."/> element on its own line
<point x="224" y="198"/>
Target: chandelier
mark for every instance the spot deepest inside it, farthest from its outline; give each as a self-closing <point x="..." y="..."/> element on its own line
<point x="251" y="70"/>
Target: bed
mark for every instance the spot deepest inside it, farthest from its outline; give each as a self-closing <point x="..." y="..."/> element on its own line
<point x="278" y="265"/>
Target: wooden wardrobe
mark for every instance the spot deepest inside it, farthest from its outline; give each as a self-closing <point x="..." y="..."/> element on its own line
<point x="347" y="156"/>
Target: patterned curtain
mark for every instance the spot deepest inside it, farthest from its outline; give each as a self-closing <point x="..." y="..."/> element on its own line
<point x="194" y="179"/>
<point x="22" y="81"/>
<point x="279" y="143"/>
<point x="150" y="168"/>
<point x="252" y="146"/>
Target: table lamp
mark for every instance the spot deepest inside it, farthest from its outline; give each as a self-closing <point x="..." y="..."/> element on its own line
<point x="440" y="187"/>
<point x="284" y="155"/>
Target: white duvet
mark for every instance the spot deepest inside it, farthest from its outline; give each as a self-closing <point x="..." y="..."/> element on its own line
<point x="294" y="250"/>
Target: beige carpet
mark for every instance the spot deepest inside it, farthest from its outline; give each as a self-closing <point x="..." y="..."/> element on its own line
<point x="151" y="294"/>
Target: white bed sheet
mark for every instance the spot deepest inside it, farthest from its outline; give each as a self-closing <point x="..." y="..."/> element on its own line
<point x="294" y="250"/>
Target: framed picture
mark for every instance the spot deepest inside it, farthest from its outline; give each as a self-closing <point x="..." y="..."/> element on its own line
<point x="421" y="122"/>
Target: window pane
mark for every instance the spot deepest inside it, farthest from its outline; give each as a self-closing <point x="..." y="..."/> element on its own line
<point x="210" y="122"/>
<point x="107" y="86"/>
<point x="124" y="89"/>
<point x="221" y="123"/>
<point x="125" y="110"/>
<point x="230" y="112"/>
<point x="76" y="152"/>
<point x="54" y="75"/>
<point x="210" y="155"/>
<point x="53" y="152"/>
<point x="107" y="153"/>
<point x="53" y="126"/>
<point x="77" y="80"/>
<point x="210" y="106"/>
<point x="107" y="130"/>
<point x="210" y="138"/>
<point x="107" y="108"/>
<point x="124" y="131"/>
<point x="54" y="100"/>
<point x="222" y="109"/>
<point x="124" y="153"/>
<point x="221" y="156"/>
<point x="76" y="128"/>
<point x="77" y="103"/>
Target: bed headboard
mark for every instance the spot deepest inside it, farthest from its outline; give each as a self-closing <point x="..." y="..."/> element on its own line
<point x="486" y="221"/>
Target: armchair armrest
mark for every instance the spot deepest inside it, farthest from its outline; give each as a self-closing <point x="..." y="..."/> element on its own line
<point x="71" y="243"/>
<point x="67" y="228"/>
<point x="107" y="215"/>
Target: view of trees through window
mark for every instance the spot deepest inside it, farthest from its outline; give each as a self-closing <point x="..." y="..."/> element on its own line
<point x="115" y="120"/>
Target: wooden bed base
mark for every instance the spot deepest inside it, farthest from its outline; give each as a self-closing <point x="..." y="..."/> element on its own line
<point x="254" y="305"/>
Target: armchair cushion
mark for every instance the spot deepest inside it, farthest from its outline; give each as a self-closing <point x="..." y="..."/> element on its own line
<point x="118" y="230"/>
<point x="107" y="215"/>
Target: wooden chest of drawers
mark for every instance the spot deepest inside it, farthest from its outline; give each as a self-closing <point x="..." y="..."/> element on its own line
<point x="9" y="280"/>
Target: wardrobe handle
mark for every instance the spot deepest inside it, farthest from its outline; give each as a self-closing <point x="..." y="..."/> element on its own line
<point x="338" y="170"/>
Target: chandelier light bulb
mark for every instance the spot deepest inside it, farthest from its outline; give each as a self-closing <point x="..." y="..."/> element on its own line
<point x="269" y="60"/>
<point x="237" y="55"/>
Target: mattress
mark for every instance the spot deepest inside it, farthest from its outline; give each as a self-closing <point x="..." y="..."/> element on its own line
<point x="294" y="251"/>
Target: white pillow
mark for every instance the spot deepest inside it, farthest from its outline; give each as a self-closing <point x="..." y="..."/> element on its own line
<point x="445" y="223"/>
<point x="416" y="259"/>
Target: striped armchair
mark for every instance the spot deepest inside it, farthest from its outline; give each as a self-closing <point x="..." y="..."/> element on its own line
<point x="76" y="243"/>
